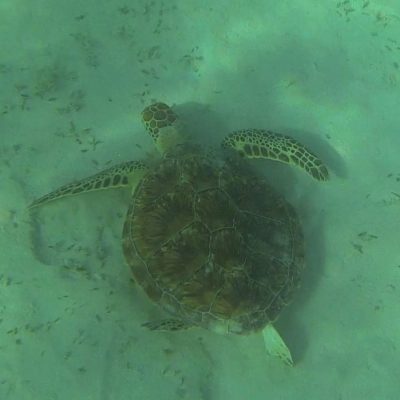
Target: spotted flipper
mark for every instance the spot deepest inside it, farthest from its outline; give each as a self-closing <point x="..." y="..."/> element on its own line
<point x="170" y="324"/>
<point x="121" y="175"/>
<point x="259" y="143"/>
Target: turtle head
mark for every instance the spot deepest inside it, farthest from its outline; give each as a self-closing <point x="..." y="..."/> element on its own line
<point x="163" y="126"/>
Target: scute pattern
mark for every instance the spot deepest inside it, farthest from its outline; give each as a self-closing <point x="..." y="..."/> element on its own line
<point x="213" y="243"/>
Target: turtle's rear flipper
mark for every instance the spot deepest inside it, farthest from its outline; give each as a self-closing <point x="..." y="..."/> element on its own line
<point x="121" y="175"/>
<point x="170" y="324"/>
<point x="259" y="143"/>
<point x="275" y="345"/>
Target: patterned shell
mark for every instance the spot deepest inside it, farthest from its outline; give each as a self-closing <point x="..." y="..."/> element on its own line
<point x="212" y="242"/>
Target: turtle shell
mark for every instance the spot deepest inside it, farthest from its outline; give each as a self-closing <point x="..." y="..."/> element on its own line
<point x="212" y="243"/>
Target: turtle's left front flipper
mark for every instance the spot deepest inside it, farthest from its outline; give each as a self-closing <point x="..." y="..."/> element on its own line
<point x="259" y="143"/>
<point x="121" y="175"/>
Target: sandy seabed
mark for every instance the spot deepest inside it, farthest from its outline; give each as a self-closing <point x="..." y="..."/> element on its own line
<point x="74" y="78"/>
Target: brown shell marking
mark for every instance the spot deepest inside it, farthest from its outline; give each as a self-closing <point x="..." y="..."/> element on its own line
<point x="213" y="243"/>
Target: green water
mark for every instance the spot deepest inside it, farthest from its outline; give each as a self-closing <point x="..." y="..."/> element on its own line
<point x="74" y="77"/>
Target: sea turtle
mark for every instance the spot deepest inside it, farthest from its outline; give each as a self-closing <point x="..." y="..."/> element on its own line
<point x="206" y="237"/>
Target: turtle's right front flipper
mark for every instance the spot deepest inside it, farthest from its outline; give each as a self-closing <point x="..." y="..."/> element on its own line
<point x="121" y="175"/>
<point x="259" y="143"/>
